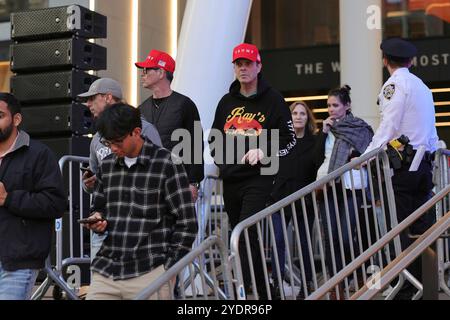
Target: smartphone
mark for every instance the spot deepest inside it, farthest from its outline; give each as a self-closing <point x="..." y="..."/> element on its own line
<point x="86" y="169"/>
<point x="90" y="220"/>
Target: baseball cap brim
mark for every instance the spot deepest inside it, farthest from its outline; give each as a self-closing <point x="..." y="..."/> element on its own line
<point x="87" y="94"/>
<point x="246" y="58"/>
<point x="145" y="64"/>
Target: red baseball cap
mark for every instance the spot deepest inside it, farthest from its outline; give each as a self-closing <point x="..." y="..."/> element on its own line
<point x="158" y="59"/>
<point x="246" y="51"/>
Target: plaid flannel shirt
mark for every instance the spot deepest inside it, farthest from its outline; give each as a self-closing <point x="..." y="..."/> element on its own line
<point x="150" y="213"/>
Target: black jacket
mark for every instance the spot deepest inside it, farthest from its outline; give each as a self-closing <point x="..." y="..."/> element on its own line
<point x="35" y="198"/>
<point x="240" y="118"/>
<point x="298" y="169"/>
<point x="177" y="112"/>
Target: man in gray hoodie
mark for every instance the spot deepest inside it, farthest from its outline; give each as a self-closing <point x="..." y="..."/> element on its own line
<point x="103" y="93"/>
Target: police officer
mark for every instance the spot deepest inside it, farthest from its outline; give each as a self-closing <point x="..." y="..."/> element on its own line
<point x="407" y="108"/>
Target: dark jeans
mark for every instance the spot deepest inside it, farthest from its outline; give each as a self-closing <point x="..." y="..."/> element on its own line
<point x="335" y="216"/>
<point x="242" y="200"/>
<point x="281" y="246"/>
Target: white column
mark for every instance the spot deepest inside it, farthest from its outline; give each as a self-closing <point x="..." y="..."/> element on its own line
<point x="209" y="32"/>
<point x="361" y="58"/>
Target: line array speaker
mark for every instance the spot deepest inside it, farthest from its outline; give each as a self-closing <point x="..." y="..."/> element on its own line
<point x="57" y="22"/>
<point x="75" y="145"/>
<point x="58" y="119"/>
<point x="50" y="87"/>
<point x="57" y="54"/>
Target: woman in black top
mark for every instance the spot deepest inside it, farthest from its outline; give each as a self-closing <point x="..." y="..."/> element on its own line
<point x="297" y="170"/>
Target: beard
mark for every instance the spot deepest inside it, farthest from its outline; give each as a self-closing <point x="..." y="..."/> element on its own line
<point x="6" y="133"/>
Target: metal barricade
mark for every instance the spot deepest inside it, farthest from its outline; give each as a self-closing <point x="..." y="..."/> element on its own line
<point x="70" y="251"/>
<point x="334" y="220"/>
<point x="382" y="277"/>
<point x="212" y="218"/>
<point x="441" y="179"/>
<point x="215" y="276"/>
<point x="212" y="221"/>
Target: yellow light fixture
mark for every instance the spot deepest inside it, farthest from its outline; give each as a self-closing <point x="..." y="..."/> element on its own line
<point x="309" y="98"/>
<point x="396" y="14"/>
<point x="92" y="8"/>
<point x="134" y="79"/>
<point x="174" y="28"/>
<point x="440" y="90"/>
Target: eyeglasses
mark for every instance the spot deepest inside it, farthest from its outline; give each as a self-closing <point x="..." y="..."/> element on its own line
<point x="116" y="142"/>
<point x="147" y="70"/>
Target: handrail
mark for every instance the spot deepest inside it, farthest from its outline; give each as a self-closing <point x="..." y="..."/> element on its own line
<point x="65" y="159"/>
<point x="182" y="263"/>
<point x="54" y="274"/>
<point x="376" y="247"/>
<point x="405" y="259"/>
<point x="318" y="184"/>
<point x="385" y="170"/>
<point x="441" y="179"/>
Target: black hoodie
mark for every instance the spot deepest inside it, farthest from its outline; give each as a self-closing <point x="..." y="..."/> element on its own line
<point x="244" y="117"/>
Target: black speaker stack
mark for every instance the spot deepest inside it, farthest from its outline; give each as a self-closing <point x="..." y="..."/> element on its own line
<point x="50" y="57"/>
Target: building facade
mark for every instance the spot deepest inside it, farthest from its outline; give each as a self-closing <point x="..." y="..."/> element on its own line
<point x="301" y="42"/>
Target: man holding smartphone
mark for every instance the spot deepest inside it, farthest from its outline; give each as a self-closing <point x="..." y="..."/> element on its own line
<point x="103" y="93"/>
<point x="145" y="199"/>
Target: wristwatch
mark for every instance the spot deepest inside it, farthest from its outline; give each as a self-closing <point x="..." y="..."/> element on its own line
<point x="195" y="184"/>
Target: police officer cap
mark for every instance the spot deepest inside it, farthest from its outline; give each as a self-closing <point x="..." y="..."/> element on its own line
<point x="398" y="47"/>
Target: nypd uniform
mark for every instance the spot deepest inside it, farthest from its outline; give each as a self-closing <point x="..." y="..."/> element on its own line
<point x="407" y="108"/>
<point x="406" y="105"/>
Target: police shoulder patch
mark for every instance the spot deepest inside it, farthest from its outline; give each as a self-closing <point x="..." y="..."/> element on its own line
<point x="388" y="91"/>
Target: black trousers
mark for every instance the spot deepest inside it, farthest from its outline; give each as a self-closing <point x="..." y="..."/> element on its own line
<point x="412" y="190"/>
<point x="242" y="200"/>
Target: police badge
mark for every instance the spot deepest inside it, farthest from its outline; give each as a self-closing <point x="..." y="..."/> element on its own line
<point x="389" y="91"/>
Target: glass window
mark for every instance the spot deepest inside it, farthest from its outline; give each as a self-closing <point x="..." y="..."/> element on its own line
<point x="286" y="24"/>
<point x="8" y="6"/>
<point x="416" y="18"/>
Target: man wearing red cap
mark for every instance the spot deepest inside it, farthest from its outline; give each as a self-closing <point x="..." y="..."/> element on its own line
<point x="250" y="109"/>
<point x="169" y="110"/>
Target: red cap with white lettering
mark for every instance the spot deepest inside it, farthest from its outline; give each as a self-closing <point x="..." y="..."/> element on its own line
<point x="246" y="51"/>
<point x="158" y="59"/>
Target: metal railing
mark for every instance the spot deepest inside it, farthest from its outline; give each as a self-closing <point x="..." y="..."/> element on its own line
<point x="75" y="254"/>
<point x="441" y="179"/>
<point x="383" y="277"/>
<point x="215" y="279"/>
<point x="351" y="209"/>
<point x="212" y="218"/>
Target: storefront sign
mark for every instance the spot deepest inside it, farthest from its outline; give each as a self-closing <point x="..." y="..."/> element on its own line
<point x="318" y="68"/>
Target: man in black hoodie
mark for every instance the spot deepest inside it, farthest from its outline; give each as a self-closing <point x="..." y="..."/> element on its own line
<point x="252" y="118"/>
<point x="31" y="197"/>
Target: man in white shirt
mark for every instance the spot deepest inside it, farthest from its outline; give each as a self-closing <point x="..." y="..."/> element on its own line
<point x="407" y="108"/>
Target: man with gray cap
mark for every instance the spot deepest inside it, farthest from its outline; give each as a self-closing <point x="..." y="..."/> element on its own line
<point x="407" y="108"/>
<point x="103" y="93"/>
